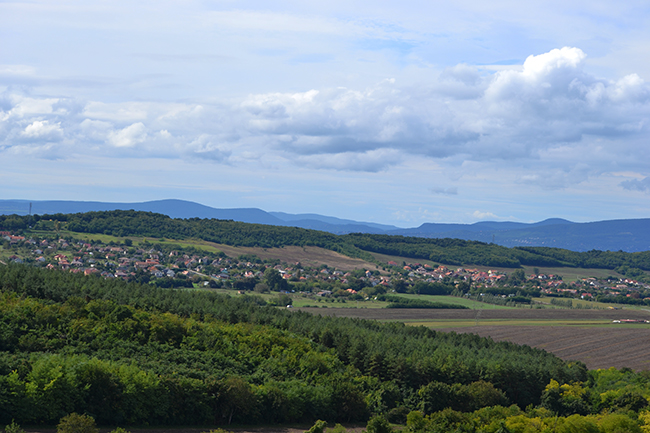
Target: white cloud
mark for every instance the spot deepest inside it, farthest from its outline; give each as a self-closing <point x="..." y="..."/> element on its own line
<point x="484" y="215"/>
<point x="206" y="147"/>
<point x="129" y="136"/>
<point x="22" y="106"/>
<point x="43" y="130"/>
<point x="560" y="122"/>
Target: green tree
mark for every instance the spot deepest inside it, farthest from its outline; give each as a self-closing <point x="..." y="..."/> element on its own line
<point x="378" y="424"/>
<point x="239" y="399"/>
<point x="415" y="421"/>
<point x="274" y="280"/>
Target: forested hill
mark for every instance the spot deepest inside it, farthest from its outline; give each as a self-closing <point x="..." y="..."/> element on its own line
<point x="136" y="354"/>
<point x="445" y="251"/>
<point x="630" y="235"/>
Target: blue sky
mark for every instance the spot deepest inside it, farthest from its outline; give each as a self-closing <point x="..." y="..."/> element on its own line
<point x="391" y="112"/>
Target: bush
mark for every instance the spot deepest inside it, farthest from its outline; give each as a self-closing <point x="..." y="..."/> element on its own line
<point x="415" y="421"/>
<point x="397" y="415"/>
<point x="378" y="424"/>
<point x="75" y="423"/>
<point x="338" y="428"/>
<point x="318" y="427"/>
<point x="14" y="428"/>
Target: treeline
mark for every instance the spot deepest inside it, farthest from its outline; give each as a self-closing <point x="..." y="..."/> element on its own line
<point x="446" y="251"/>
<point x="460" y="252"/>
<point x="401" y="302"/>
<point x="125" y="352"/>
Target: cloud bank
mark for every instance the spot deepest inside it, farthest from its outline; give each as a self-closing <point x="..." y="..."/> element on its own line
<point x="549" y="115"/>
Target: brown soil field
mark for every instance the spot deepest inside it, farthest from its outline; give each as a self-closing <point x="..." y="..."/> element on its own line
<point x="307" y="256"/>
<point x="604" y="346"/>
<point x="423" y="315"/>
<point x="597" y="347"/>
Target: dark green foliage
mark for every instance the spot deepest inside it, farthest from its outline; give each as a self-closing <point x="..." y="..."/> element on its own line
<point x="459" y="252"/>
<point x="125" y="352"/>
<point x="274" y="280"/>
<point x="378" y="424"/>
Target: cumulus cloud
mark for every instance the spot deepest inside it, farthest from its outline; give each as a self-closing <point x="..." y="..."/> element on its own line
<point x="43" y="130"/>
<point x="129" y="136"/>
<point x="205" y="147"/>
<point x="522" y="114"/>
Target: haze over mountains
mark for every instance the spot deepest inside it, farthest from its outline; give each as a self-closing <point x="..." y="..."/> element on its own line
<point x="629" y="235"/>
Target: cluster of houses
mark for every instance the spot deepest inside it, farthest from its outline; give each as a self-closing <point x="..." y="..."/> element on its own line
<point x="589" y="288"/>
<point x="121" y="261"/>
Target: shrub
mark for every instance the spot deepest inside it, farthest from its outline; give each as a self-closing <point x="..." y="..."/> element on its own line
<point x="378" y="424"/>
<point x="75" y="423"/>
<point x="14" y="428"/>
<point x="338" y="428"/>
<point x="318" y="427"/>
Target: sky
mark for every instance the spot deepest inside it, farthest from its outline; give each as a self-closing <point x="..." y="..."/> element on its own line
<point x="394" y="112"/>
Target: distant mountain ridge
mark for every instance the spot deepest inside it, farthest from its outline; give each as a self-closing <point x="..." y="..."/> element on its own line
<point x="630" y="235"/>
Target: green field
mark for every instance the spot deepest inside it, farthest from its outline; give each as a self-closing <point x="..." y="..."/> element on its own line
<point x="474" y="305"/>
<point x="511" y="322"/>
<point x="593" y="304"/>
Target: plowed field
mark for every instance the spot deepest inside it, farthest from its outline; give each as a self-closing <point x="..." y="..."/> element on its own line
<point x="584" y="335"/>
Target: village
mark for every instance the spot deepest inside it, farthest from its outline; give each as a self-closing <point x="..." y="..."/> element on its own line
<point x="166" y="265"/>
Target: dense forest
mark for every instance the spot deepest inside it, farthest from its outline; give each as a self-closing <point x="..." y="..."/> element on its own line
<point x="131" y="354"/>
<point x="445" y="251"/>
<point x="128" y="353"/>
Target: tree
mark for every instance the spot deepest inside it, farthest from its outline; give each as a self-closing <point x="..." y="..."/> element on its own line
<point x="415" y="421"/>
<point x="274" y="280"/>
<point x="239" y="398"/>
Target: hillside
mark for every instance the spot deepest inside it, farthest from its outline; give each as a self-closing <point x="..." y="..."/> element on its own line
<point x="202" y="357"/>
<point x="614" y="235"/>
<point x="446" y="251"/>
<point x="76" y="336"/>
